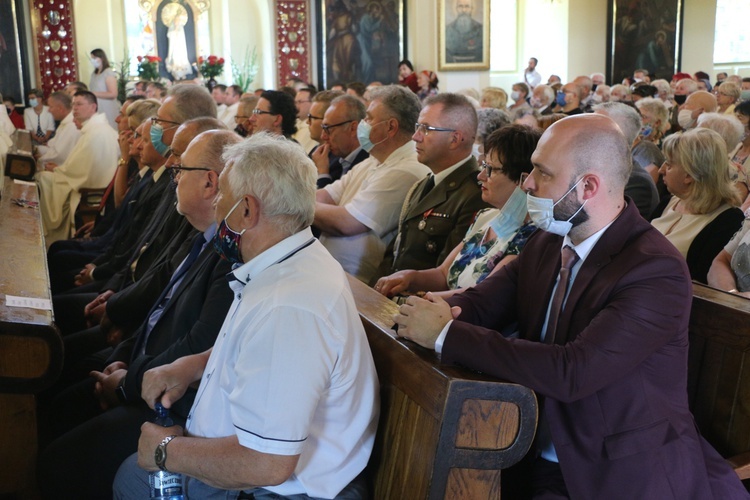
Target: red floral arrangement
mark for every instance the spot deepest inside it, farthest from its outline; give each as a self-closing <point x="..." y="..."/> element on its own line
<point x="211" y="66"/>
<point x="148" y="68"/>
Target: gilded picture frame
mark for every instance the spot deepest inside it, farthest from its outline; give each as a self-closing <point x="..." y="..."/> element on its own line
<point x="464" y="35"/>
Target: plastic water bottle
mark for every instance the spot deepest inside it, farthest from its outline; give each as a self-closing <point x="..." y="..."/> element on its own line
<point x="164" y="485"/>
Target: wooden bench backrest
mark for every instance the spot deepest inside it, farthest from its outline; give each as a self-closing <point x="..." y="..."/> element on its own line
<point x="444" y="432"/>
<point x="719" y="369"/>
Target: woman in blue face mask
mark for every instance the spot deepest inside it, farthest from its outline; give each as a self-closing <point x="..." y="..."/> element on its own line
<point x="497" y="235"/>
<point x="104" y="86"/>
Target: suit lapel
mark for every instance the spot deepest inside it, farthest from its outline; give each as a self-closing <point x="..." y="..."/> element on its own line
<point x="442" y="191"/>
<point x="609" y="245"/>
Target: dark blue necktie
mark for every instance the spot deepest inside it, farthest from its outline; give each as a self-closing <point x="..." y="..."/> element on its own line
<point x="161" y="302"/>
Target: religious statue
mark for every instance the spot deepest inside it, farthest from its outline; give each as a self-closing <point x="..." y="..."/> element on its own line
<point x="174" y="16"/>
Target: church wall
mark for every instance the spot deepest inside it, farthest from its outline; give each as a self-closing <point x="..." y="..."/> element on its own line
<point x="558" y="32"/>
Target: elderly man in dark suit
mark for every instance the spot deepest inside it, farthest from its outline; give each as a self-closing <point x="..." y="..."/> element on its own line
<point x="440" y="208"/>
<point x="607" y="352"/>
<point x="185" y="319"/>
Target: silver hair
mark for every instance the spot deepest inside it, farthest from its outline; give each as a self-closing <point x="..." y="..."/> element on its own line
<point x="278" y="173"/>
<point x="727" y="126"/>
<point x="491" y="119"/>
<point x="191" y="101"/>
<point x="626" y="117"/>
<point x="401" y="103"/>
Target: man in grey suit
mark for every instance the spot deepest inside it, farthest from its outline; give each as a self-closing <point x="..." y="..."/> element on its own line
<point x="439" y="208"/>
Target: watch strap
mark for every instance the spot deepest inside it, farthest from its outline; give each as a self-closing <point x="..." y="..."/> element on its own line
<point x="160" y="454"/>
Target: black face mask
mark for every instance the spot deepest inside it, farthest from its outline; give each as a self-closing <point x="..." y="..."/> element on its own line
<point x="680" y="99"/>
<point x="593" y="87"/>
<point x="240" y="130"/>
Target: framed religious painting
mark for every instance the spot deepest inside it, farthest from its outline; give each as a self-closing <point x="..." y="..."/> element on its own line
<point x="644" y="35"/>
<point x="15" y="63"/>
<point x="360" y="41"/>
<point x="464" y="35"/>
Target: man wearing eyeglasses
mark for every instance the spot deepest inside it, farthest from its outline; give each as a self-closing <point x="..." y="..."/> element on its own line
<point x="321" y="154"/>
<point x="303" y="103"/>
<point x="184" y="320"/>
<point x="440" y="207"/>
<point x="339" y="135"/>
<point x="358" y="214"/>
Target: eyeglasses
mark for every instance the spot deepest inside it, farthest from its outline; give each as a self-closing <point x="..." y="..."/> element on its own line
<point x="311" y="117"/>
<point x="176" y="170"/>
<point x="426" y="129"/>
<point x="155" y="119"/>
<point x="257" y="111"/>
<point x="327" y="128"/>
<point x="488" y="169"/>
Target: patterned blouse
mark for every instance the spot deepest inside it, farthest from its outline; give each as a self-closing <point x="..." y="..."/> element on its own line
<point x="482" y="250"/>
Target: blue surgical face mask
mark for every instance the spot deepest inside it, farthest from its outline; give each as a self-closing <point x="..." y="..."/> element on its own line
<point x="227" y="241"/>
<point x="511" y="216"/>
<point x="646" y="130"/>
<point x="33" y="103"/>
<point x="157" y="133"/>
<point x="363" y="134"/>
<point x="560" y="99"/>
<point x="542" y="213"/>
<point x="745" y="95"/>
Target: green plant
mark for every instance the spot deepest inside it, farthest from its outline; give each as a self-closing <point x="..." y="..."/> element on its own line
<point x="148" y="68"/>
<point x="123" y="73"/>
<point x="245" y="74"/>
<point x="211" y="66"/>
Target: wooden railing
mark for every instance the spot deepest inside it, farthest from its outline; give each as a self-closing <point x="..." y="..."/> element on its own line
<point x="444" y="432"/>
<point x="30" y="345"/>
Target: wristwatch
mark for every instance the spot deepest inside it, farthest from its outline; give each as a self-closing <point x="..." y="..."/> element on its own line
<point x="160" y="454"/>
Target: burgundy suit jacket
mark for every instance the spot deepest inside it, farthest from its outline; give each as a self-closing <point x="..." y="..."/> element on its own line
<point x="615" y="381"/>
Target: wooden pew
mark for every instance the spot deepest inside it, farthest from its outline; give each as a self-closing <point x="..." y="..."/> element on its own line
<point x="30" y="344"/>
<point x="719" y="373"/>
<point x="444" y="432"/>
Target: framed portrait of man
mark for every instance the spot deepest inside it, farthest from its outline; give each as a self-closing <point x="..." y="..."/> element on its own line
<point x="464" y="35"/>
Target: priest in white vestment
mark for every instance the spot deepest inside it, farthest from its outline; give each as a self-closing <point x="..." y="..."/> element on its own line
<point x="91" y="164"/>
<point x="66" y="136"/>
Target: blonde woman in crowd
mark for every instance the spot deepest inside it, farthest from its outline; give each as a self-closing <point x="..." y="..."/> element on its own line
<point x="702" y="214"/>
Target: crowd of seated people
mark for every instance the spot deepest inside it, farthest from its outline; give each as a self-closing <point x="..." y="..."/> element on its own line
<point x="421" y="193"/>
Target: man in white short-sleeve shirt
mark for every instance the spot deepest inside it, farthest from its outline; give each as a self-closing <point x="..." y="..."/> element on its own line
<point x="358" y="214"/>
<point x="288" y="396"/>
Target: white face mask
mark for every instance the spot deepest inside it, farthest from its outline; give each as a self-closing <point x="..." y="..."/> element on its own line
<point x="597" y="98"/>
<point x="536" y="103"/>
<point x="542" y="213"/>
<point x="685" y="119"/>
<point x="475" y="150"/>
<point x="515" y="95"/>
<point x="97" y="63"/>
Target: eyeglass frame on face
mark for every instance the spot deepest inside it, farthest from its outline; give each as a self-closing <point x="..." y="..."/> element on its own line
<point x="425" y="129"/>
<point x="488" y="168"/>
<point x="327" y="128"/>
<point x="156" y="119"/>
<point x="311" y="117"/>
<point x="177" y="169"/>
<point x="257" y="111"/>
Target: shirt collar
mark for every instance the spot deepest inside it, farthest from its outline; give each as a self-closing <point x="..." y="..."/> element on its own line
<point x="448" y="171"/>
<point x="583" y="249"/>
<point x="351" y="156"/>
<point x="249" y="270"/>
<point x="405" y="152"/>
<point x="159" y="172"/>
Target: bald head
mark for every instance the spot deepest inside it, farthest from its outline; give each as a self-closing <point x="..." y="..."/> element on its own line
<point x="701" y="99"/>
<point x="595" y="144"/>
<point x="584" y="82"/>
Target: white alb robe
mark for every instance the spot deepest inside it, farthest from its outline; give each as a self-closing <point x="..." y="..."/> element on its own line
<point x="91" y="164"/>
<point x="59" y="147"/>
